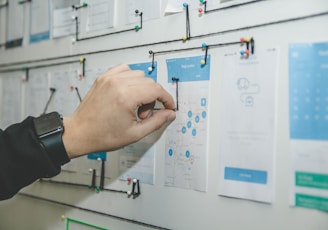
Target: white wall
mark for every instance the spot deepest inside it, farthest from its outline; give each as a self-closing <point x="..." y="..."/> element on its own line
<point x="168" y="207"/>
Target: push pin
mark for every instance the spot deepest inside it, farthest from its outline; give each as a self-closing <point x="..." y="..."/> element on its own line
<point x="203" y="2"/>
<point x="138" y="12"/>
<point x="137" y="27"/>
<point x="203" y="61"/>
<point x="84" y="4"/>
<point x="82" y="61"/>
<point x="152" y="67"/>
<point x="247" y="41"/>
<point x="176" y="91"/>
<point x="242" y="40"/>
<point x="52" y="92"/>
<point x="73" y="40"/>
<point x="102" y="174"/>
<point x="187" y="36"/>
<point x="78" y="93"/>
<point x="72" y="87"/>
<point x="135" y="188"/>
<point x="93" y="178"/>
<point x="200" y="10"/>
<point x="26" y="77"/>
<point x="244" y="53"/>
<point x="252" y="45"/>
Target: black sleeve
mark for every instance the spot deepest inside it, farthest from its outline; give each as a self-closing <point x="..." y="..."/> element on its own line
<point x="22" y="159"/>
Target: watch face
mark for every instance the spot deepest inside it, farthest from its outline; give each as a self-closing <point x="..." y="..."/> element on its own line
<point x="48" y="123"/>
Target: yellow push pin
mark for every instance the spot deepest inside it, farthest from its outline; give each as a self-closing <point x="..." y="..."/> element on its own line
<point x="184" y="38"/>
<point x="248" y="39"/>
<point x="82" y="60"/>
<point x="202" y="62"/>
<point x="62" y="217"/>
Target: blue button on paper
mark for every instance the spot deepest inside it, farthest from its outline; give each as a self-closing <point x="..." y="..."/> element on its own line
<point x="245" y="175"/>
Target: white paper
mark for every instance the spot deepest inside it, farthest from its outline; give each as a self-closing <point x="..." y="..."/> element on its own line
<point x="65" y="99"/>
<point x="63" y="24"/>
<point x="247" y="127"/>
<point x="186" y="137"/>
<point x="100" y="14"/>
<point x="149" y="8"/>
<point x="308" y="100"/>
<point x="11" y="99"/>
<point x="3" y="23"/>
<point x="16" y="16"/>
<point x="37" y="93"/>
<point x="138" y="160"/>
<point x="40" y="20"/>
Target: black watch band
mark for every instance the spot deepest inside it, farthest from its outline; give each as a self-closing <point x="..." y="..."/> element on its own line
<point x="49" y="129"/>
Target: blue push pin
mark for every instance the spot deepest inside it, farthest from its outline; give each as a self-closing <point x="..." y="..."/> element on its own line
<point x="185" y="4"/>
<point x="242" y="53"/>
<point x="204" y="46"/>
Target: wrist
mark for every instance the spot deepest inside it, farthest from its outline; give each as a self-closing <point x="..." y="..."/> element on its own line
<point x="49" y="130"/>
<point x="68" y="138"/>
<point x="75" y="139"/>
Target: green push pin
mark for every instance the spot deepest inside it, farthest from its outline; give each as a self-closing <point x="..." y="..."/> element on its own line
<point x="137" y="27"/>
<point x="84" y="4"/>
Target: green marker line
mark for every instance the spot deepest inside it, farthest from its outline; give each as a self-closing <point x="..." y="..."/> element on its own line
<point x="82" y="223"/>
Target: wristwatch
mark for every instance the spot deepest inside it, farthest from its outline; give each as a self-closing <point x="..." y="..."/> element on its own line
<point x="49" y="129"/>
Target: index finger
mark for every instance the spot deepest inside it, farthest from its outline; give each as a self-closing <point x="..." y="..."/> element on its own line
<point x="156" y="92"/>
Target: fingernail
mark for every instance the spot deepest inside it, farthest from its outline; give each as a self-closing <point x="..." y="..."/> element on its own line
<point x="171" y="116"/>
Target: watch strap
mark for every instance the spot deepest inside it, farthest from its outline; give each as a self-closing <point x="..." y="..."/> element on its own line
<point x="54" y="146"/>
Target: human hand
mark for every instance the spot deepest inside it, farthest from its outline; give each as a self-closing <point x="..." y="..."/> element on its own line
<point x="107" y="119"/>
